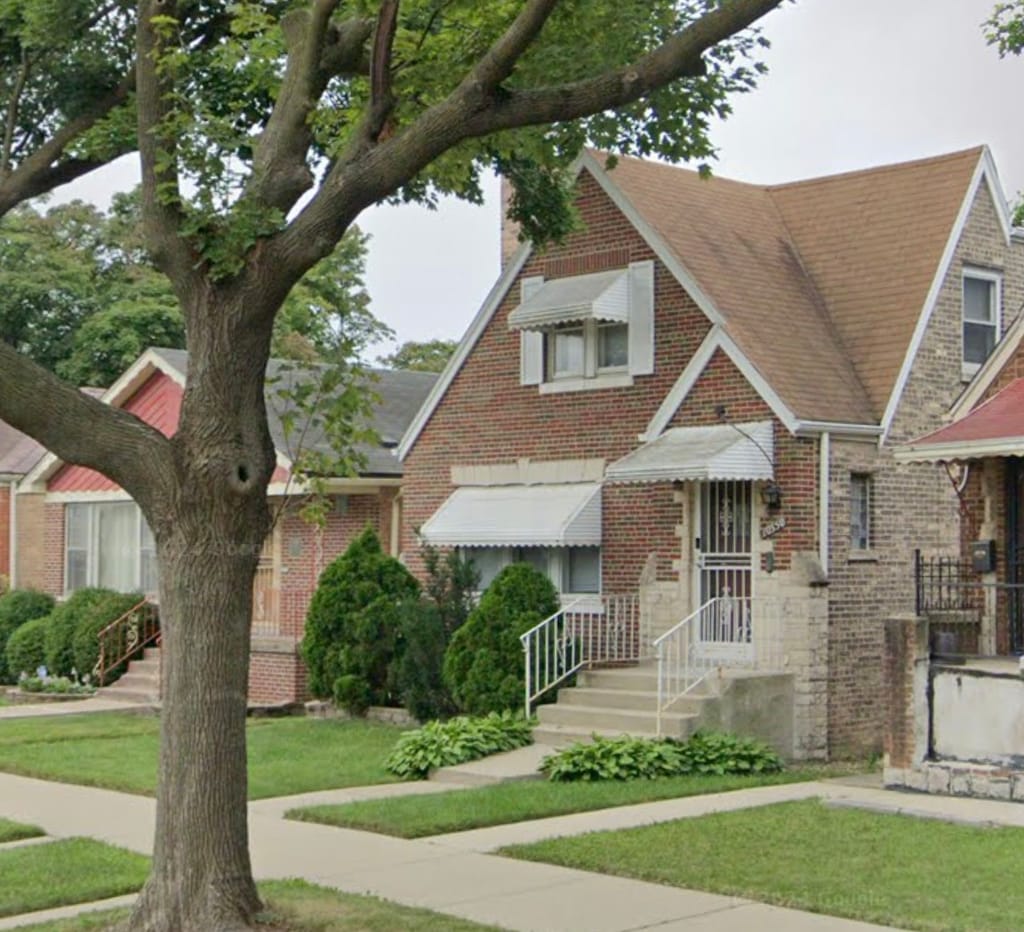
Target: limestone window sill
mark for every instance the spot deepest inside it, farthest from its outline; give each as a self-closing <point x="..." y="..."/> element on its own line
<point x="862" y="556"/>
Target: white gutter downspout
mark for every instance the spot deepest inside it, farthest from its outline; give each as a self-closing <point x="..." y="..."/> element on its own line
<point x="823" y="503"/>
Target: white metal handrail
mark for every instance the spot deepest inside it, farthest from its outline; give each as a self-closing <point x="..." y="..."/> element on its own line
<point x="726" y="631"/>
<point x="591" y="629"/>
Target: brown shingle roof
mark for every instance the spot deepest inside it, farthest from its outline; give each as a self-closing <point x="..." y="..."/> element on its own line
<point x="18" y="453"/>
<point x="820" y="282"/>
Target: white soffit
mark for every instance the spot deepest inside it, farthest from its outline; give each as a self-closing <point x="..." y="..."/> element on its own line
<point x="600" y="296"/>
<point x="722" y="451"/>
<point x="566" y="515"/>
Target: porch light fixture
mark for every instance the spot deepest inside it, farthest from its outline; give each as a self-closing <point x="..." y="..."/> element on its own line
<point x="771" y="495"/>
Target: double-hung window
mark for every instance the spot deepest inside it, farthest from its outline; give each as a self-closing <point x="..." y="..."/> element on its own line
<point x="108" y="544"/>
<point x="981" y="300"/>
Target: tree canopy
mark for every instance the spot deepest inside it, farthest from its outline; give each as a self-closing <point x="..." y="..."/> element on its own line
<point x="429" y="356"/>
<point x="263" y="130"/>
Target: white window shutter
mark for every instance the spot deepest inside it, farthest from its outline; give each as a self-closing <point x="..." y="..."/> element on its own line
<point x="531" y="343"/>
<point x="641" y="318"/>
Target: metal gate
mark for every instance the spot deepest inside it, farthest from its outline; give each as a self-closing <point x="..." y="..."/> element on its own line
<point x="724" y="563"/>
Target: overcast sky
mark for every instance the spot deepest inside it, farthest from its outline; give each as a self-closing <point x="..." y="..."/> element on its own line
<point x="851" y="84"/>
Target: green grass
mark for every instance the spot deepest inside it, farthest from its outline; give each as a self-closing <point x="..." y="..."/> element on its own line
<point x="458" y="811"/>
<point x="15" y="831"/>
<point x="75" y="870"/>
<point x="119" y="752"/>
<point x="889" y="869"/>
<point x="301" y="907"/>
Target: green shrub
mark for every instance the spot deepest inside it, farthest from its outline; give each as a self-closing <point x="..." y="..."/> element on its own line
<point x="628" y="758"/>
<point x="353" y="626"/>
<point x="444" y="744"/>
<point x="483" y="666"/>
<point x="94" y="617"/>
<point x="64" y="622"/>
<point x="17" y="607"/>
<point x="420" y="681"/>
<point x="452" y="583"/>
<point x="26" y="648"/>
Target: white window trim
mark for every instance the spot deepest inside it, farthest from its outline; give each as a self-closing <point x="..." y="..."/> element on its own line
<point x="968" y="369"/>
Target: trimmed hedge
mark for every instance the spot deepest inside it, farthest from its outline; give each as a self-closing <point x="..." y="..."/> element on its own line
<point x="17" y="607"/>
<point x="26" y="648"/>
<point x="483" y="666"/>
<point x="353" y="626"/>
<point x="64" y="622"/>
<point x="95" y="615"/>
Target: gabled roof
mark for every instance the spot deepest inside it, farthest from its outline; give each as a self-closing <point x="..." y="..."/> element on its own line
<point x="820" y="289"/>
<point x="401" y="395"/>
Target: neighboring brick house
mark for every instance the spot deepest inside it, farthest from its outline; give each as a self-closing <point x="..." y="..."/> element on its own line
<point x="697" y="394"/>
<point x="18" y="454"/>
<point x="93" y="534"/>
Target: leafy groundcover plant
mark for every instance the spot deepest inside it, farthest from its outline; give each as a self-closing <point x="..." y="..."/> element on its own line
<point x="628" y="758"/>
<point x="462" y="739"/>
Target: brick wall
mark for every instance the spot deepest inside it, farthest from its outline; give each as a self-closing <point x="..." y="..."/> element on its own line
<point x="5" y="532"/>
<point x="31" y="545"/>
<point x="914" y="506"/>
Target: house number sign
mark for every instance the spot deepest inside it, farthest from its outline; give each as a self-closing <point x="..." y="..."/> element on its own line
<point x="771" y="528"/>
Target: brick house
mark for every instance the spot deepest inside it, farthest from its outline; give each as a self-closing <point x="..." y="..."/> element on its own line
<point x="18" y="454"/>
<point x="695" y="398"/>
<point x="91" y="533"/>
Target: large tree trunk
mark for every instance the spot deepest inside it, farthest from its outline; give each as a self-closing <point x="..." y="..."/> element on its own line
<point x="208" y="536"/>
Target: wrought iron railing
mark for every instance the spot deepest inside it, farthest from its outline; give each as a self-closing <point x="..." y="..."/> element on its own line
<point x="590" y="630"/>
<point x="946" y="584"/>
<point x="126" y="637"/>
<point x="728" y="631"/>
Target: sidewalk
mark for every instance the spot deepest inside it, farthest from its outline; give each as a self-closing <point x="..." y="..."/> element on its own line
<point x="70" y="707"/>
<point x="450" y="874"/>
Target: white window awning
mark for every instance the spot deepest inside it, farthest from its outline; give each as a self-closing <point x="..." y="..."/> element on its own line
<point x="723" y="451"/>
<point x="602" y="296"/>
<point x="518" y="515"/>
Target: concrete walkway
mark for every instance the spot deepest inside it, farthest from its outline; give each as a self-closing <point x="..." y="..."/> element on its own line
<point x="451" y="874"/>
<point x="69" y="707"/>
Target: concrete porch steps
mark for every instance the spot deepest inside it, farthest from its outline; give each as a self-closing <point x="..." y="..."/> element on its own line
<point x="141" y="682"/>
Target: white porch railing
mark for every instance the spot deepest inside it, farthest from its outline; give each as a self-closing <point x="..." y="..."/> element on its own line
<point x="591" y="629"/>
<point x="728" y="631"/>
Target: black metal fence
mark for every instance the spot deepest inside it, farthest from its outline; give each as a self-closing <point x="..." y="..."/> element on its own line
<point x="946" y="584"/>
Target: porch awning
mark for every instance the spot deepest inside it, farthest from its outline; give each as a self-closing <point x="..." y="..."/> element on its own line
<point x="724" y="451"/>
<point x="995" y="428"/>
<point x="600" y="296"/>
<point x="518" y="515"/>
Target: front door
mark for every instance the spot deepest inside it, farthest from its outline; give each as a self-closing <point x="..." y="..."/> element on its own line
<point x="1015" y="551"/>
<point x="724" y="567"/>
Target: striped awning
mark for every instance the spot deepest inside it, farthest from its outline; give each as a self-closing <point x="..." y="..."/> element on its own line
<point x="602" y="296"/>
<point x="722" y="451"/>
<point x="566" y="515"/>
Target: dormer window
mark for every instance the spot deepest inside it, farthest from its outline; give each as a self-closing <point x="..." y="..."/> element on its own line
<point x="586" y="331"/>
<point x="981" y="302"/>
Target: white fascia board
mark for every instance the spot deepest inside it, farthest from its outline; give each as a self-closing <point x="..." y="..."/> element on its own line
<point x="107" y="495"/>
<point x="465" y="347"/>
<point x="838" y="429"/>
<point x="653" y="239"/>
<point x="959" y="450"/>
<point x="717" y="338"/>
<point x="687" y="379"/>
<point x="984" y="171"/>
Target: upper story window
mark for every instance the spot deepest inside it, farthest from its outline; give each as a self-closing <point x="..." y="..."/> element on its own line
<point x="108" y="544"/>
<point x="586" y="331"/>
<point x="981" y="302"/>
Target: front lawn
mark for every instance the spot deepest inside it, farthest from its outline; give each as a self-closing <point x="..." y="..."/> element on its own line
<point x="15" y="831"/>
<point x="436" y="814"/>
<point x="294" y="906"/>
<point x="74" y="870"/>
<point x="888" y="869"/>
<point x="119" y="752"/>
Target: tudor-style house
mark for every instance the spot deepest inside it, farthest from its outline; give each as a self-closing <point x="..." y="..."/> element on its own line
<point x="685" y="414"/>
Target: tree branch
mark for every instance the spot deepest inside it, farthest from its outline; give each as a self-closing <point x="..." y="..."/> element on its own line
<point x="161" y="193"/>
<point x="381" y="99"/>
<point x="79" y="429"/>
<point x="361" y="177"/>
<point x="500" y="60"/>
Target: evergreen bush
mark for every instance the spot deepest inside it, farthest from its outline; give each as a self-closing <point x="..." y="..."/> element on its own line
<point x="483" y="666"/>
<point x="26" y="648"/>
<point x="92" y="619"/>
<point x="17" y="607"/>
<point x="64" y="621"/>
<point x="420" y="681"/>
<point x="353" y="627"/>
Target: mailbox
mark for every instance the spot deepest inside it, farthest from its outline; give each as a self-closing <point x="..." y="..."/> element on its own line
<point x="983" y="556"/>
